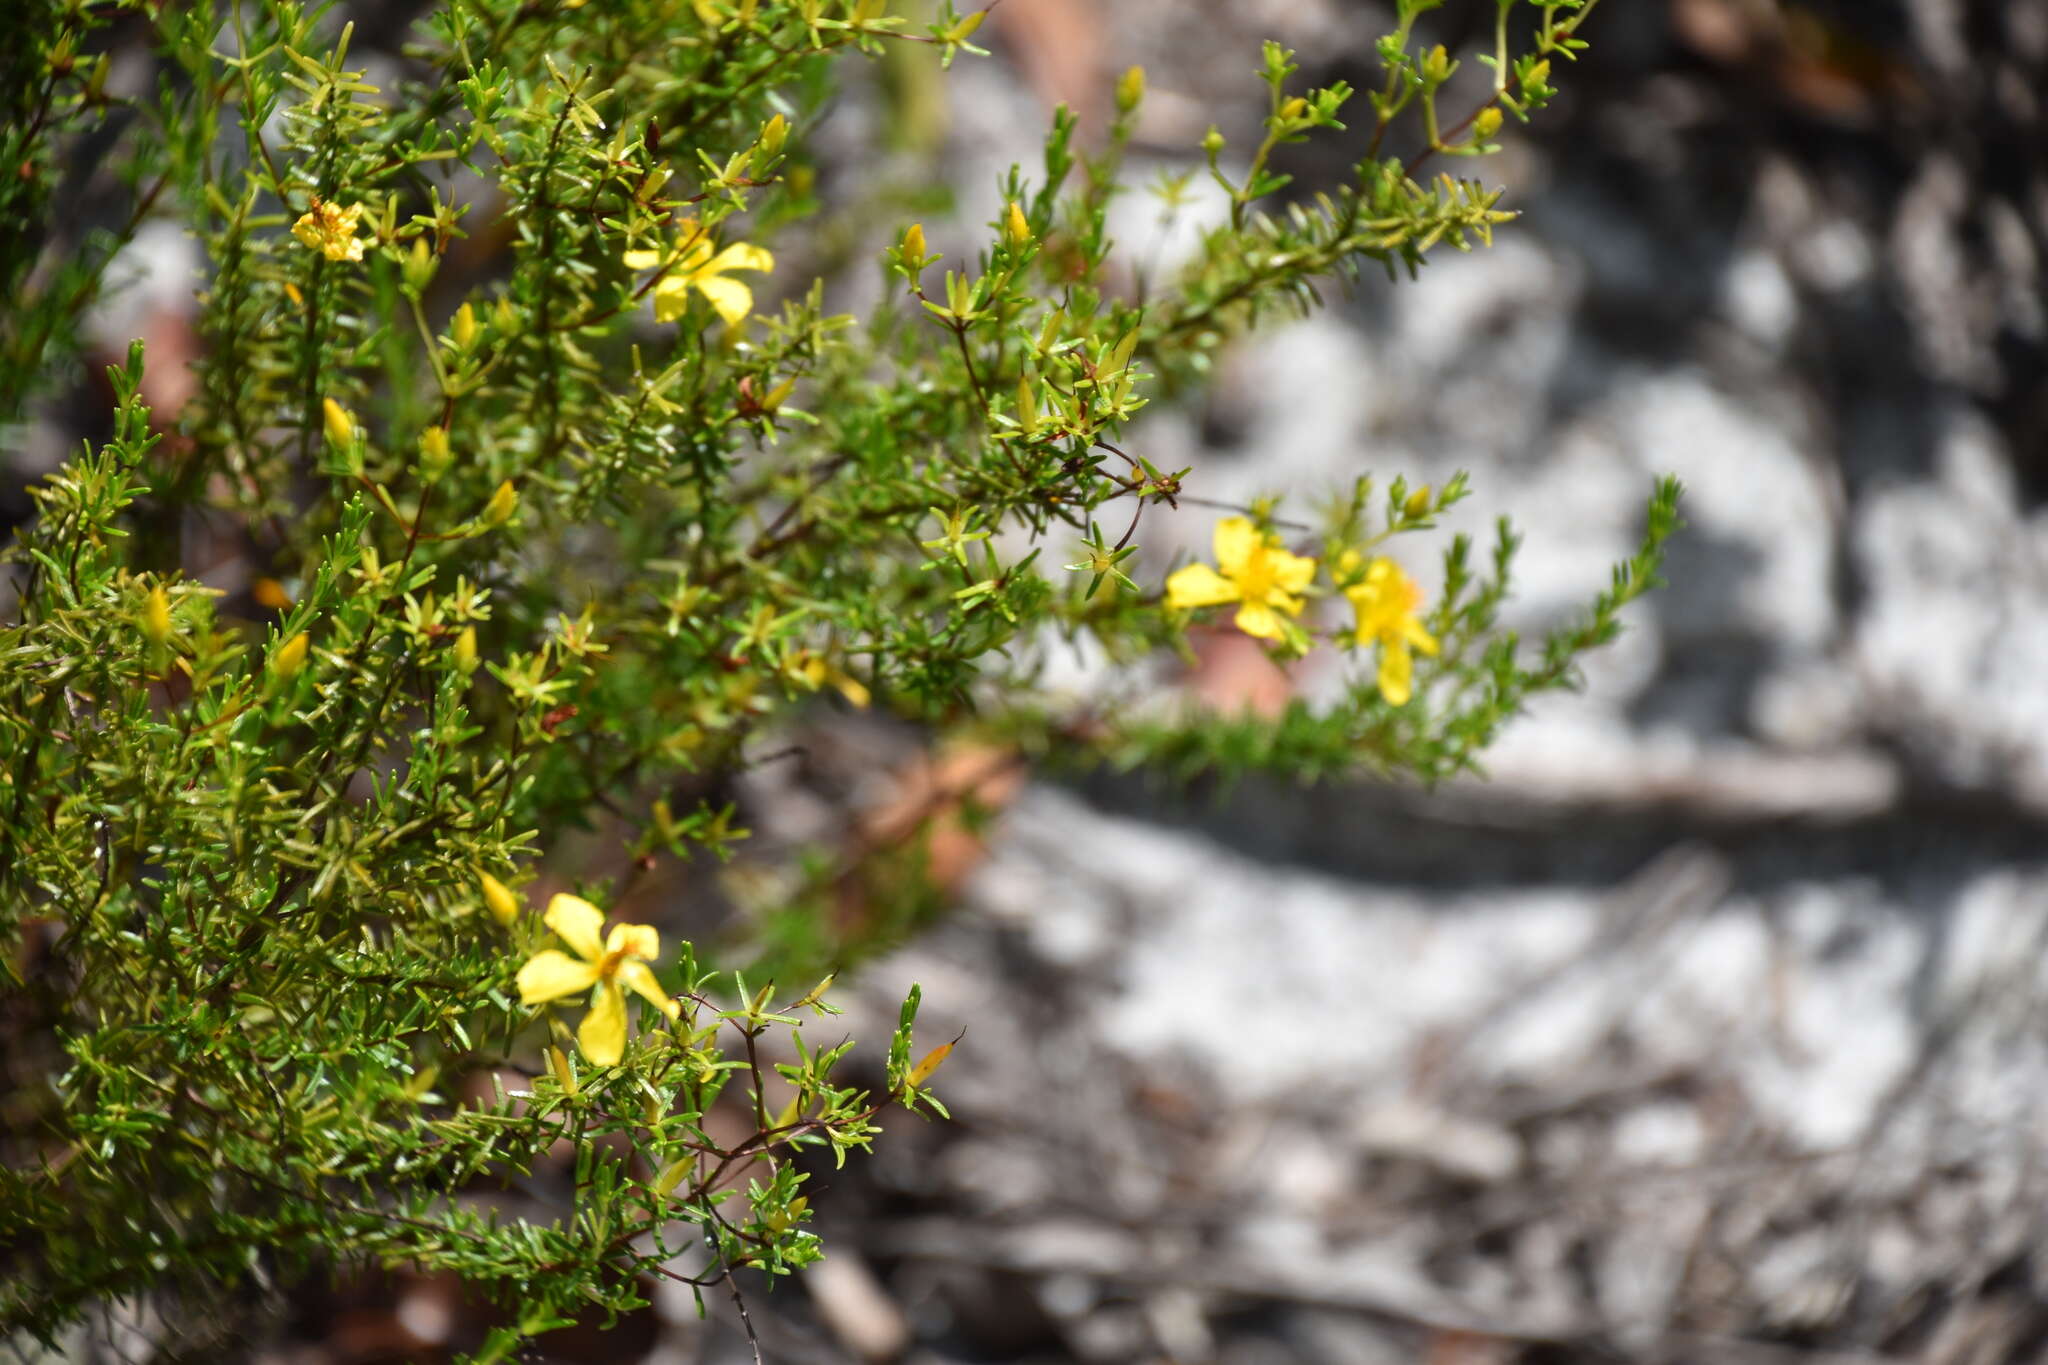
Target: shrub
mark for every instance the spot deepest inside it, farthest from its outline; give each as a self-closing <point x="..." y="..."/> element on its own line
<point x="566" y="490"/>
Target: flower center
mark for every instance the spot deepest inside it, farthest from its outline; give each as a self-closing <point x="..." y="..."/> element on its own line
<point x="1256" y="578"/>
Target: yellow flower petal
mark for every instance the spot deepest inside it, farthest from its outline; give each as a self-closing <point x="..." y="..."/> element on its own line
<point x="602" y="1035"/>
<point x="641" y="260"/>
<point x="671" y="299"/>
<point x="636" y="940"/>
<point x="1419" y="637"/>
<point x="1198" y="585"/>
<point x="730" y="298"/>
<point x="1256" y="618"/>
<point x="740" y="256"/>
<point x="1236" y="541"/>
<point x="579" y="923"/>
<point x="1293" y="572"/>
<point x="1396" y="671"/>
<point x="552" y="974"/>
<point x="636" y="977"/>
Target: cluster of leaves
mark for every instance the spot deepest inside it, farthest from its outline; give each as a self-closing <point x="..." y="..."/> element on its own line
<point x="553" y="524"/>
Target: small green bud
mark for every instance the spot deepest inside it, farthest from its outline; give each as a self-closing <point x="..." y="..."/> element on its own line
<point x="1212" y="141"/>
<point x="1417" y="504"/>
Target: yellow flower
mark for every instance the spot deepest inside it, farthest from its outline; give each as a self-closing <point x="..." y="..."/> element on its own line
<point x="330" y="228"/>
<point x="693" y="265"/>
<point x="606" y="963"/>
<point x="1386" y="600"/>
<point x="1256" y="572"/>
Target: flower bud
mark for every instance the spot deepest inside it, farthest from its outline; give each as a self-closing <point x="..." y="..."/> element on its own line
<point x="1293" y="108"/>
<point x="1417" y="504"/>
<point x="464" y="328"/>
<point x="1212" y="141"/>
<point x="1130" y="89"/>
<point x="922" y="1072"/>
<point x="341" y="428"/>
<point x="499" y="899"/>
<point x="558" y="1062"/>
<point x="156" y="616"/>
<point x="673" y="1175"/>
<point x="434" y="453"/>
<point x="502" y="505"/>
<point x="1436" y="65"/>
<point x="289" y="658"/>
<point x="1486" y="124"/>
<point x="1015" y="226"/>
<point x="465" y="649"/>
<point x="773" y="133"/>
<point x="419" y="266"/>
<point x="913" y="245"/>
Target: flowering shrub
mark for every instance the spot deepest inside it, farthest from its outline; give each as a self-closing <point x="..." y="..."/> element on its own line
<point x="562" y="490"/>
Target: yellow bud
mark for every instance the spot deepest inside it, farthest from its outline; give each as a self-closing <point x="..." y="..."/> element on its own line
<point x="773" y="134"/>
<point x="777" y="395"/>
<point x="270" y="593"/>
<point x="1294" y="108"/>
<point x="1539" y="75"/>
<point x="434" y="453"/>
<point x="1417" y="504"/>
<point x="500" y="899"/>
<point x="963" y="30"/>
<point x="674" y="1175"/>
<point x="913" y="245"/>
<point x="1486" y="124"/>
<point x="1015" y="226"/>
<point x="464" y="329"/>
<point x="853" y="689"/>
<point x="1436" y="65"/>
<point x="156" y="616"/>
<point x="419" y="266"/>
<point x="558" y="1062"/>
<point x="922" y="1072"/>
<point x="341" y="428"/>
<point x="289" y="658"/>
<point x="1130" y="89"/>
<point x="465" y="649"/>
<point x="502" y="505"/>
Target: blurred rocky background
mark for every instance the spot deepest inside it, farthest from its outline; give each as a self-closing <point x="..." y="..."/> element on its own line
<point x="1712" y="1028"/>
